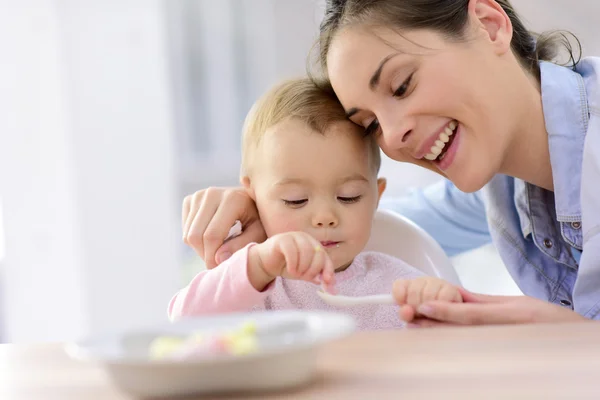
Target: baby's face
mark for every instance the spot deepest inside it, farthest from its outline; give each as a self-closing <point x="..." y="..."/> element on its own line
<point x="320" y="184"/>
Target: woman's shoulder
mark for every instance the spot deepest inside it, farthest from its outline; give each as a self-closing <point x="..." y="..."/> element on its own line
<point x="589" y="69"/>
<point x="588" y="66"/>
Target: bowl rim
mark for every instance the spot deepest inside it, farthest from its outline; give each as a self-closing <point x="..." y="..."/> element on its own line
<point x="337" y="326"/>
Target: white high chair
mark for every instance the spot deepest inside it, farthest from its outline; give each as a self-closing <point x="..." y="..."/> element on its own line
<point x="399" y="237"/>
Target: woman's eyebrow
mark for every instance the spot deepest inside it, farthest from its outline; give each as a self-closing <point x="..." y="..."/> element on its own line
<point x="377" y="75"/>
<point x="374" y="81"/>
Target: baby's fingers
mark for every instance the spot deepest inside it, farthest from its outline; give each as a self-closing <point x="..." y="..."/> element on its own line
<point x="431" y="290"/>
<point x="289" y="250"/>
<point x="415" y="292"/>
<point x="328" y="275"/>
<point x="306" y="250"/>
<point x="449" y="293"/>
<point x="400" y="291"/>
<point x="321" y="269"/>
<point x="407" y="313"/>
<point x="328" y="272"/>
<point x="313" y="273"/>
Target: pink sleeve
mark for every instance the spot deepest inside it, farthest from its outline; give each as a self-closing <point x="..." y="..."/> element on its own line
<point x="225" y="288"/>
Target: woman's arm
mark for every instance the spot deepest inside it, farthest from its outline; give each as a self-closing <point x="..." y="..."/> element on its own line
<point x="456" y="220"/>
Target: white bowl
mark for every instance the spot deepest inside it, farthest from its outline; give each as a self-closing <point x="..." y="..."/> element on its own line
<point x="288" y="341"/>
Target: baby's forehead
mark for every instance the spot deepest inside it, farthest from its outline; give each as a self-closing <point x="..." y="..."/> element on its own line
<point x="298" y="139"/>
<point x="294" y="130"/>
<point x="294" y="149"/>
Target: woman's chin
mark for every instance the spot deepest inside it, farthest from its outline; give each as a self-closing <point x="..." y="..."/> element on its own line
<point x="470" y="183"/>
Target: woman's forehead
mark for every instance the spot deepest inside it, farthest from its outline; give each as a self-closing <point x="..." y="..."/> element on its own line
<point x="382" y="39"/>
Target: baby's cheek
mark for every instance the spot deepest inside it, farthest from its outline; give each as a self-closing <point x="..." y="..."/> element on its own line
<point x="360" y="225"/>
<point x="276" y="222"/>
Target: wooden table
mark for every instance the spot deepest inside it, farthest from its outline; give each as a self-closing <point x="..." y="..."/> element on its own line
<point x="518" y="362"/>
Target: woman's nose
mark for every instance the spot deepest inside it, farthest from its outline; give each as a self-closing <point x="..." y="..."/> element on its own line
<point x="395" y="132"/>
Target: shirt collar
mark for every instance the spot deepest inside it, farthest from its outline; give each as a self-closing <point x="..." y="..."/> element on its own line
<point x="566" y="116"/>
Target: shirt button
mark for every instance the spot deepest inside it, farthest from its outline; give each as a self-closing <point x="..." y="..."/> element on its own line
<point x="565" y="303"/>
<point x="548" y="243"/>
<point x="575" y="225"/>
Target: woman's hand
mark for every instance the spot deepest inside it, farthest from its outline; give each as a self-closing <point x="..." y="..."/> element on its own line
<point x="209" y="214"/>
<point x="478" y="309"/>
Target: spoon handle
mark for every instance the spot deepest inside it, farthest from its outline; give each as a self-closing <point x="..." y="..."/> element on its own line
<point x="376" y="299"/>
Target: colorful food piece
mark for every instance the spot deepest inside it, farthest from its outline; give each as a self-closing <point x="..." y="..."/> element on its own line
<point x="240" y="341"/>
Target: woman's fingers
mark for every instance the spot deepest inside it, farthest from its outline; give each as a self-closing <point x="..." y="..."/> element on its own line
<point x="475" y="313"/>
<point x="252" y="233"/>
<point x="469" y="297"/>
<point x="202" y="207"/>
<point x="207" y="217"/>
<point x="231" y="207"/>
<point x="185" y="212"/>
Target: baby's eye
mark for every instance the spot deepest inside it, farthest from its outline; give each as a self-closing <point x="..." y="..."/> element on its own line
<point x="349" y="200"/>
<point x="295" y="203"/>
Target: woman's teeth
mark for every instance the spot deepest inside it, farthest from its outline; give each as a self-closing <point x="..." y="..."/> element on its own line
<point x="440" y="144"/>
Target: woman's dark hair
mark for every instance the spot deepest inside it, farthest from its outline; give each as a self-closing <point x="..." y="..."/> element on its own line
<point x="448" y="17"/>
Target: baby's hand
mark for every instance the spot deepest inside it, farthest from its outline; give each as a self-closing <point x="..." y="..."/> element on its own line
<point x="295" y="255"/>
<point x="409" y="294"/>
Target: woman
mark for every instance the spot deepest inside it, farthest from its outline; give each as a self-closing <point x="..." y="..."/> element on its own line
<point x="461" y="88"/>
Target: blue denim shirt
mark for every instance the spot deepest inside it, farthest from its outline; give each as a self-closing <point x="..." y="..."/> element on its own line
<point x="549" y="241"/>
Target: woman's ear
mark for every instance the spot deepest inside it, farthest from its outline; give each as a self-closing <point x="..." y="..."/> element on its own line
<point x="381" y="185"/>
<point x="247" y="184"/>
<point x="491" y="18"/>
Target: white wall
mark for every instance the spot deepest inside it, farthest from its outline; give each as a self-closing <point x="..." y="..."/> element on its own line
<point x="88" y="188"/>
<point x="41" y="238"/>
<point x="225" y="55"/>
<point x="579" y="17"/>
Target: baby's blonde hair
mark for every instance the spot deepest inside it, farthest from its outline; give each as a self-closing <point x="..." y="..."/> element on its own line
<point x="312" y="103"/>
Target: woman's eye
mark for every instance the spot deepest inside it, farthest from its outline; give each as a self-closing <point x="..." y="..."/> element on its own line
<point x="401" y="91"/>
<point x="372" y="128"/>
<point x="295" y="203"/>
<point x="349" y="200"/>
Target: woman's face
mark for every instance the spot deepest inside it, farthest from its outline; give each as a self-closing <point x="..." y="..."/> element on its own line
<point x="448" y="106"/>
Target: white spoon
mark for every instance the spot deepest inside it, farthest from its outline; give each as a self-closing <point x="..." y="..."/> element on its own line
<point x="348" y="301"/>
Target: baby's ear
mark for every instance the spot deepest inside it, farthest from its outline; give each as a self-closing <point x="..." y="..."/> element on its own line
<point x="246" y="183"/>
<point x="381" y="185"/>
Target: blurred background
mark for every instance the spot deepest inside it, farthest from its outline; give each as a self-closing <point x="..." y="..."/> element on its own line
<point x="112" y="111"/>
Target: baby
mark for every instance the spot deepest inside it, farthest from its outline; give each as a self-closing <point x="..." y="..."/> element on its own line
<point x="313" y="176"/>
